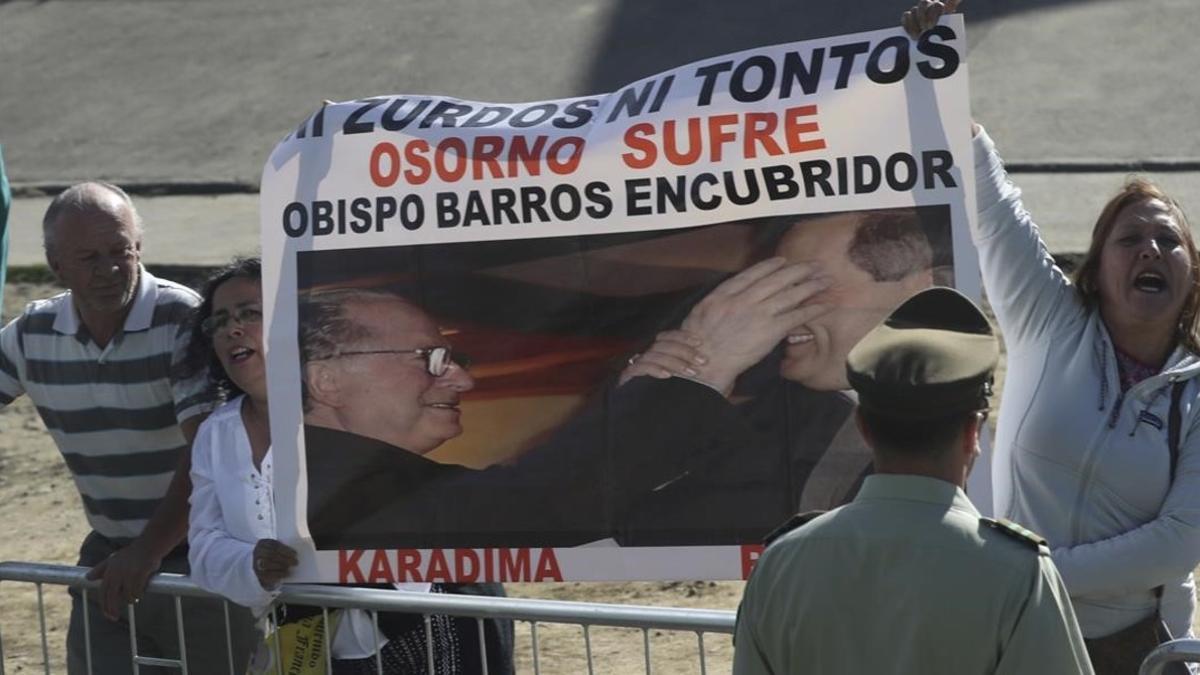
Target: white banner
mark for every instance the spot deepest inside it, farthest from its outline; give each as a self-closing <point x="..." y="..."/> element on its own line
<point x="552" y="241"/>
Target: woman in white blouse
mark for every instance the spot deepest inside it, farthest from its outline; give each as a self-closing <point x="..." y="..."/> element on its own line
<point x="233" y="550"/>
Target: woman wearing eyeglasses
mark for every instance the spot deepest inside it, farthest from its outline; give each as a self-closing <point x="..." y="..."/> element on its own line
<point x="233" y="550"/>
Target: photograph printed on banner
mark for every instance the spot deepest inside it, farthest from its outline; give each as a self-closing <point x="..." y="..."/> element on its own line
<point x="494" y="394"/>
<point x="600" y="337"/>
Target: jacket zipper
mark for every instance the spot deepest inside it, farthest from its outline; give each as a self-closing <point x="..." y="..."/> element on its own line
<point x="1089" y="465"/>
<point x="1089" y="468"/>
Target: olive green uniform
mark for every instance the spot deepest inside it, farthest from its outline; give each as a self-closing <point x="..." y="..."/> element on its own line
<point x="908" y="578"/>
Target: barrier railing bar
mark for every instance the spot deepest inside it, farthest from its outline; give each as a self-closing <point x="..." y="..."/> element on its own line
<point x="68" y="575"/>
<point x="2" y="655"/>
<point x="521" y="609"/>
<point x="1185" y="649"/>
<point x="587" y="647"/>
<point x="375" y="641"/>
<point x="428" y="645"/>
<point x="374" y="600"/>
<point x="133" y="640"/>
<point x="533" y="634"/>
<point x="182" y="639"/>
<point x="155" y="661"/>
<point x="328" y="649"/>
<point x="277" y="657"/>
<point x="42" y="624"/>
<point x="87" y="632"/>
<point x="228" y="636"/>
<point x="483" y="658"/>
<point x="646" y="648"/>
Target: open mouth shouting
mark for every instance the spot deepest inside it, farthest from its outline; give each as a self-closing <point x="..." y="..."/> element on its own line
<point x="1150" y="282"/>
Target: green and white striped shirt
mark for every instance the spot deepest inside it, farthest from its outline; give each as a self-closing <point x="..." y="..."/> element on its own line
<point x="114" y="412"/>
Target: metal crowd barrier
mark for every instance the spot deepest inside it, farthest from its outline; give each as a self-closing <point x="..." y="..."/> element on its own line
<point x="1176" y="651"/>
<point x="534" y="612"/>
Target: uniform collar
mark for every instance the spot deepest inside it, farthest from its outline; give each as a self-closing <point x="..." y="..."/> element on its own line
<point x="140" y="315"/>
<point x="908" y="487"/>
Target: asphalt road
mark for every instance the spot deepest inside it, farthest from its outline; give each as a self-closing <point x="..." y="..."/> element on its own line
<point x="200" y="90"/>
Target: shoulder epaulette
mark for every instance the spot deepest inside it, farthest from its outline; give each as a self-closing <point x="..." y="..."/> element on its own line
<point x="789" y="525"/>
<point x="1015" y="531"/>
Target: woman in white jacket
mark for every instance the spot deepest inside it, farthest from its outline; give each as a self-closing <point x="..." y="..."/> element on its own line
<point x="1097" y="367"/>
<point x="231" y="532"/>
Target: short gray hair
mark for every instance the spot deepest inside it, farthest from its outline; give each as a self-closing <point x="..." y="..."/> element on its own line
<point x="82" y="198"/>
<point x="890" y="244"/>
<point x="325" y="326"/>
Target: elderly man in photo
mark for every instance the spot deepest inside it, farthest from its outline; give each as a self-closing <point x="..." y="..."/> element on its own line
<point x="909" y="578"/>
<point x="98" y="361"/>
<point x="381" y="390"/>
<point x="786" y="323"/>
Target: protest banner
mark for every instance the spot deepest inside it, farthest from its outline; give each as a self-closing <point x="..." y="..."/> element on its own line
<point x="552" y="241"/>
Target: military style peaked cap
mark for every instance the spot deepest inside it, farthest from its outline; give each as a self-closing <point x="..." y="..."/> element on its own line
<point x="933" y="357"/>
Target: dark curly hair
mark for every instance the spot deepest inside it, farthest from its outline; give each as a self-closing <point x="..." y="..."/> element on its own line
<point x="200" y="355"/>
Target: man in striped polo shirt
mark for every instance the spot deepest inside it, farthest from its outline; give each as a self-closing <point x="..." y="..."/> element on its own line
<point x="98" y="363"/>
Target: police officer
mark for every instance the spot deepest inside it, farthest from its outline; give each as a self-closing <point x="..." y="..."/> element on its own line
<point x="909" y="578"/>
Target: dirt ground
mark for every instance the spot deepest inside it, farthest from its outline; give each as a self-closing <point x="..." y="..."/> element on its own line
<point x="41" y="519"/>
